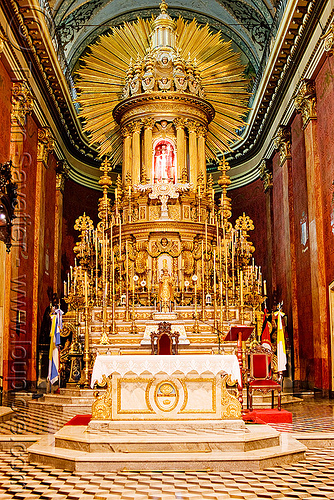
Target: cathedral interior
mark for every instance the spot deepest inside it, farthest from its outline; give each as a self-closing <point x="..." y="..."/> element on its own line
<point x="167" y="188"/>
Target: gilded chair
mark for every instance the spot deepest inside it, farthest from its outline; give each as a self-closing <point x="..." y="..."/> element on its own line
<point x="261" y="376"/>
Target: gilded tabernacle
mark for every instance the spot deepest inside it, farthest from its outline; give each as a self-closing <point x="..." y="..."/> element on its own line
<point x="162" y="98"/>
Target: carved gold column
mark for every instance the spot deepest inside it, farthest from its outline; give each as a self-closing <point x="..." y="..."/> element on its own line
<point x="306" y="104"/>
<point x="148" y="143"/>
<point x="201" y="131"/>
<point x="61" y="175"/>
<point x="180" y="145"/>
<point x="193" y="153"/>
<point x="282" y="143"/>
<point x="136" y="157"/>
<point x="14" y="317"/>
<point x="127" y="141"/>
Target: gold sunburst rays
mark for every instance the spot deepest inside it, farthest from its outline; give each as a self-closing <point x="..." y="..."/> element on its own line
<point x="102" y="77"/>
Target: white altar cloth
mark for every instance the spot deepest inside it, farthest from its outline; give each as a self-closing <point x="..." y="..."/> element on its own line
<point x="106" y="364"/>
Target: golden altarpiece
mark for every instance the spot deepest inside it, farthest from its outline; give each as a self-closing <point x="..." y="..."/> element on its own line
<point x="161" y="97"/>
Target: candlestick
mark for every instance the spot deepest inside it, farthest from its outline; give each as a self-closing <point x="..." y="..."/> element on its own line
<point x="241" y="289"/>
<point x="86" y="289"/>
<point x="265" y="288"/>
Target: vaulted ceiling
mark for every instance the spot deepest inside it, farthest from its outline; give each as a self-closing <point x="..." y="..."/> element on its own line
<point x="246" y="23"/>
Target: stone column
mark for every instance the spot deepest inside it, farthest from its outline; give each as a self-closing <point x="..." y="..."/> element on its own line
<point x="267" y="179"/>
<point x="136" y="157"/>
<point x="180" y="147"/>
<point x="15" y="306"/>
<point x="45" y="145"/>
<point x="148" y="148"/>
<point x="201" y="131"/>
<point x="61" y="176"/>
<point x="306" y="104"/>
<point x="127" y="140"/>
<point x="193" y="153"/>
<point x="282" y="142"/>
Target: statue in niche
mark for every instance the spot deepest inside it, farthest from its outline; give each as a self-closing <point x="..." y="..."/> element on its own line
<point x="164" y="161"/>
<point x="166" y="291"/>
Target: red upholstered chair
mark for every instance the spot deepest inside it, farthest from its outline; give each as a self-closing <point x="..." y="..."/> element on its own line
<point x="164" y="341"/>
<point x="260" y="375"/>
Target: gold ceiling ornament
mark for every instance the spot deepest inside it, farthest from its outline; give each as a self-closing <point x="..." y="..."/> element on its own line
<point x="161" y="57"/>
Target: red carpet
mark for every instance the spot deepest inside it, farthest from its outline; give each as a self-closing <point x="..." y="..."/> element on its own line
<point x="79" y="420"/>
<point x="269" y="416"/>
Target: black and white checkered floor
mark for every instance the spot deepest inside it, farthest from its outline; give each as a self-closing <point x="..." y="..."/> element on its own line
<point x="311" y="478"/>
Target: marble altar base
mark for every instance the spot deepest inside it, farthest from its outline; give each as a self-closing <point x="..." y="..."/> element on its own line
<point x="178" y="446"/>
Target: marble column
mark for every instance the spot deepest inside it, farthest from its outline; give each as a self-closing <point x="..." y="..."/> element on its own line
<point x="193" y="152"/>
<point x="45" y="145"/>
<point x="127" y="141"/>
<point x="15" y="310"/>
<point x="201" y="131"/>
<point x="181" y="148"/>
<point x="147" y="167"/>
<point x="136" y="156"/>
<point x="306" y="104"/>
<point x="282" y="142"/>
<point x="61" y="176"/>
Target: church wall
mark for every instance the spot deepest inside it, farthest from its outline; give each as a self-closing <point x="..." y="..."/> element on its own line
<point x="304" y="344"/>
<point x="251" y="200"/>
<point x="77" y="200"/>
<point x="279" y="235"/>
<point x="5" y="107"/>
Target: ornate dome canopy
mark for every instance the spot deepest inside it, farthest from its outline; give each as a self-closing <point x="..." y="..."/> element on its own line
<point x="165" y="57"/>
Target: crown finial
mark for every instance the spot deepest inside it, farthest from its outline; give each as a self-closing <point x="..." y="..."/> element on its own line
<point x="163" y="7"/>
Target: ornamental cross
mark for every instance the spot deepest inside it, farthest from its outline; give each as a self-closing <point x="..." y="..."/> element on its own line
<point x="163" y="191"/>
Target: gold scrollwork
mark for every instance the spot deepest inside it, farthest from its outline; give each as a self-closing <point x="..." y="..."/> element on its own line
<point x="231" y="407"/>
<point x="67" y="329"/>
<point x="102" y="406"/>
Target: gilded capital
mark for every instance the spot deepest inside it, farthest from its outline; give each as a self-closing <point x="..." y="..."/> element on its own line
<point x="266" y="176"/>
<point x="306" y="102"/>
<point x="62" y="174"/>
<point x="328" y="38"/>
<point x="126" y="131"/>
<point x="201" y="131"/>
<point x="22" y="102"/>
<point x="45" y="144"/>
<point x="136" y="126"/>
<point x="192" y="126"/>
<point x="179" y="123"/>
<point x="148" y="123"/>
<point x="282" y="142"/>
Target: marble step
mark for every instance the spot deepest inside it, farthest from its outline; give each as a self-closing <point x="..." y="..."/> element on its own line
<point x="154" y="440"/>
<point x="197" y="453"/>
<point x="78" y="409"/>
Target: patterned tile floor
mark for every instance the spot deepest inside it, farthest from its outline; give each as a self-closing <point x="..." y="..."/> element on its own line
<point x="311" y="478"/>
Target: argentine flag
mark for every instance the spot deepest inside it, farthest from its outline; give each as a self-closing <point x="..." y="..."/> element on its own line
<point x="56" y="326"/>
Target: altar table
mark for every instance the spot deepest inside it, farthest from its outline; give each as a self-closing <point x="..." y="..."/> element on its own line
<point x="180" y="387"/>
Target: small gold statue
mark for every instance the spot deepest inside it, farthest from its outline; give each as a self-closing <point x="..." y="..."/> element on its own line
<point x="166" y="291"/>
